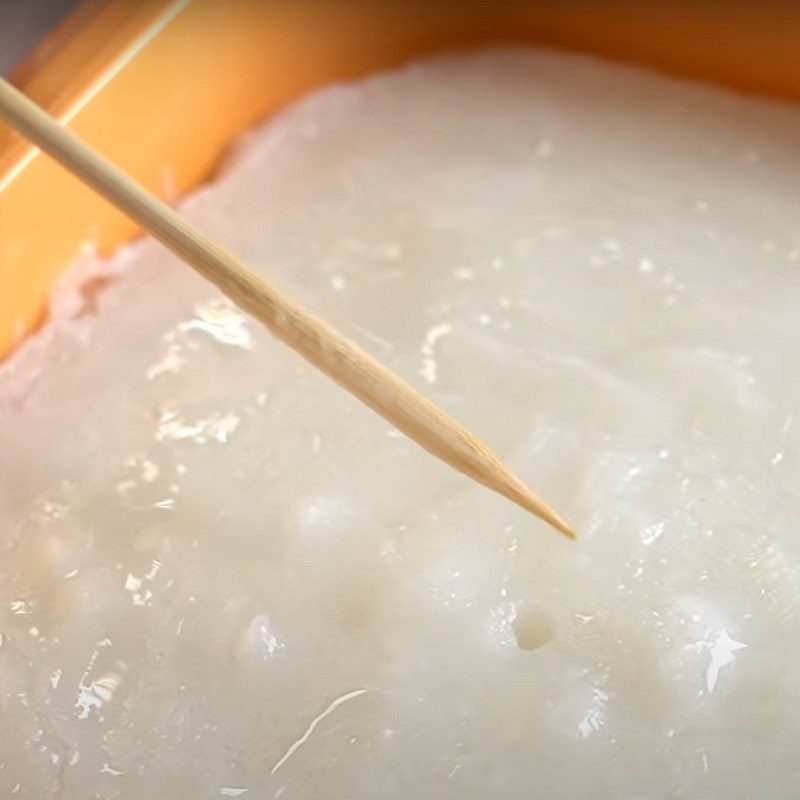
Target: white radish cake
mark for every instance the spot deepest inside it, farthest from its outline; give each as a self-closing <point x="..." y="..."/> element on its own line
<point x="222" y="576"/>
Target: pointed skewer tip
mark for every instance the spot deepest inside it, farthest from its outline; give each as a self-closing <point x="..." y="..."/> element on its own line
<point x="545" y="513"/>
<point x="524" y="497"/>
<point x="562" y="527"/>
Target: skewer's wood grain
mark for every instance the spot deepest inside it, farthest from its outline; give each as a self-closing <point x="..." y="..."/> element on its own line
<point x="319" y="343"/>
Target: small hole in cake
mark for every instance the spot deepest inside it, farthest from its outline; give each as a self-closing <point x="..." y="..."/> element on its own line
<point x="533" y="627"/>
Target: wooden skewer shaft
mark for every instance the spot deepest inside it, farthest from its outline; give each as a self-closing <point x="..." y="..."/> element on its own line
<point x="323" y="346"/>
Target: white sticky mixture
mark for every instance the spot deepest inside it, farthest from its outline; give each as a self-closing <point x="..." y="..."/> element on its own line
<point x="220" y="576"/>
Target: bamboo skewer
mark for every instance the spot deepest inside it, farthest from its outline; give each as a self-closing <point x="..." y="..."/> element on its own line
<point x="320" y="344"/>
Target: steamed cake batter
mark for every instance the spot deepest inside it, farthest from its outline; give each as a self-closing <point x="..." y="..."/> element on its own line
<point x="223" y="577"/>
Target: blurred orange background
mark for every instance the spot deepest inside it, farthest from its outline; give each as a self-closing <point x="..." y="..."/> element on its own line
<point x="162" y="86"/>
